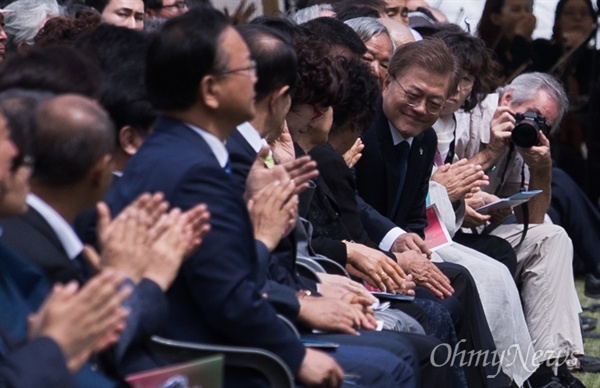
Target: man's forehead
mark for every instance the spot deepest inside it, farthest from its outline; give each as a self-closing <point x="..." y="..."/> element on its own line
<point x="541" y="104"/>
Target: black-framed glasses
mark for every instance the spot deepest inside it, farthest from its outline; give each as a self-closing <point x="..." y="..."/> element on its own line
<point x="180" y="5"/>
<point x="414" y="99"/>
<point x="250" y="69"/>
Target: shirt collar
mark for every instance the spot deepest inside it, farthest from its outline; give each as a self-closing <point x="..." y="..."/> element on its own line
<point x="69" y="240"/>
<point x="216" y="145"/>
<point x="251" y="135"/>
<point x="397" y="138"/>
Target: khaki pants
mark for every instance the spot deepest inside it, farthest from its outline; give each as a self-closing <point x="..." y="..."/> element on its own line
<point x="545" y="279"/>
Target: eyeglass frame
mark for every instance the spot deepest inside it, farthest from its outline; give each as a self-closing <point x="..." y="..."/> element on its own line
<point x="419" y="99"/>
<point x="251" y="68"/>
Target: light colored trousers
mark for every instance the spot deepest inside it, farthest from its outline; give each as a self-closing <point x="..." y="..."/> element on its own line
<point x="545" y="277"/>
<point x="502" y="306"/>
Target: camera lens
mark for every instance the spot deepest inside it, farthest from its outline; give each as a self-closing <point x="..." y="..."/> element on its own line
<point x="525" y="133"/>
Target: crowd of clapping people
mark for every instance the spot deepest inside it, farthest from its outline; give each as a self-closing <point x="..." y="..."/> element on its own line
<point x="166" y="169"/>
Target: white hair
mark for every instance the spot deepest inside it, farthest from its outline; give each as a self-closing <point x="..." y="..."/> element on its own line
<point x="27" y="18"/>
<point x="367" y="28"/>
<point x="525" y="87"/>
<point x="309" y="13"/>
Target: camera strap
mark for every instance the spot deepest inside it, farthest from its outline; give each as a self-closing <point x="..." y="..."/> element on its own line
<point x="524" y="206"/>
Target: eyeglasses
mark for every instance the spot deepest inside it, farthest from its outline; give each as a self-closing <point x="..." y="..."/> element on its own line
<point x="413" y="99"/>
<point x="466" y="82"/>
<point x="251" y="69"/>
<point x="180" y="5"/>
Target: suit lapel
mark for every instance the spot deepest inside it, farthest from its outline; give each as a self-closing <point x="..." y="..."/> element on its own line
<point x="38" y="222"/>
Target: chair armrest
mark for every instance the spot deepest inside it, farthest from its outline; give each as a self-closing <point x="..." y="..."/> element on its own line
<point x="267" y="363"/>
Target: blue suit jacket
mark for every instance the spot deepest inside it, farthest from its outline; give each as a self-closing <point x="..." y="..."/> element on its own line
<point x="377" y="180"/>
<point x="39" y="362"/>
<point x="215" y="297"/>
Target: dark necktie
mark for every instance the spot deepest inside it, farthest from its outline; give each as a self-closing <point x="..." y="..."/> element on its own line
<point x="401" y="150"/>
<point x="227" y="167"/>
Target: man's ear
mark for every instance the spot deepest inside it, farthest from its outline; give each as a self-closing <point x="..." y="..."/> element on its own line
<point x="506" y="98"/>
<point x="208" y="90"/>
<point x="276" y="98"/>
<point x="387" y="80"/>
<point x="101" y="172"/>
<point x="130" y="140"/>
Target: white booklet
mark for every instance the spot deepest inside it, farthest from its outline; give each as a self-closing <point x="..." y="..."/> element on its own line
<point x="512" y="201"/>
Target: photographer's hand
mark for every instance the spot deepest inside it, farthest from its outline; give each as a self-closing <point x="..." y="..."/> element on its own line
<point x="539" y="161"/>
<point x="500" y="131"/>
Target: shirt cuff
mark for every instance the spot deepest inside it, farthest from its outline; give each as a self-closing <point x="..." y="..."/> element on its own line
<point x="389" y="238"/>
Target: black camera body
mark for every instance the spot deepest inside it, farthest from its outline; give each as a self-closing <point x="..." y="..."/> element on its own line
<point x="527" y="127"/>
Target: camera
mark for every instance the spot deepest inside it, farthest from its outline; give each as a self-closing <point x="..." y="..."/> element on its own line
<point x="527" y="127"/>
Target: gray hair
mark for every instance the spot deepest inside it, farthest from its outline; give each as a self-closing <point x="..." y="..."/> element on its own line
<point x="28" y="17"/>
<point x="309" y="13"/>
<point x="525" y="86"/>
<point x="367" y="28"/>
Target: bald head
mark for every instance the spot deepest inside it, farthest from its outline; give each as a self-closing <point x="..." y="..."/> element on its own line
<point x="399" y="32"/>
<point x="72" y="133"/>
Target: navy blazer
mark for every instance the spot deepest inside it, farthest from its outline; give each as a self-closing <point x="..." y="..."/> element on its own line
<point x="282" y="263"/>
<point x="32" y="237"/>
<point x="215" y="297"/>
<point x="40" y="362"/>
<point x="377" y="181"/>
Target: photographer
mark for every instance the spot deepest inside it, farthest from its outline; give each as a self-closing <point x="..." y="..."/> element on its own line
<point x="511" y="167"/>
<point x="544" y="252"/>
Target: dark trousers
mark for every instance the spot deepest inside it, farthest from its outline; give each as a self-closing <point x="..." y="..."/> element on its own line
<point x="470" y="324"/>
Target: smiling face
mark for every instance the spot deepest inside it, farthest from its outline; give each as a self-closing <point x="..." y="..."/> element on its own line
<point x="125" y="13"/>
<point x="409" y="120"/>
<point x="379" y="50"/>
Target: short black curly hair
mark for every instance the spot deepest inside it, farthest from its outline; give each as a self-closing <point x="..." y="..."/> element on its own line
<point x="320" y="80"/>
<point x="362" y="92"/>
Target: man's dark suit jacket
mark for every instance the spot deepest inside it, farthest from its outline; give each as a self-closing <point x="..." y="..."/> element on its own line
<point x="33" y="238"/>
<point x="377" y="181"/>
<point x="215" y="297"/>
<point x="37" y="363"/>
<point x="283" y="280"/>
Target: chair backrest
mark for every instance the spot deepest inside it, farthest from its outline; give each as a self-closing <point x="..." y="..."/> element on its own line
<point x="270" y="365"/>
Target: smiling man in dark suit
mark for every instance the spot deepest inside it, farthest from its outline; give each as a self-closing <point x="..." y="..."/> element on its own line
<point x="393" y="175"/>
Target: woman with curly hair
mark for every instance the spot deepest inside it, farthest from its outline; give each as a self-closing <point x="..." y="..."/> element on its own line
<point x="318" y="88"/>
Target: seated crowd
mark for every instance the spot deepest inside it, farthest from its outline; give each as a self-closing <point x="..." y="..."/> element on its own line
<point x="167" y="170"/>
